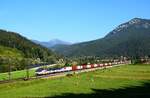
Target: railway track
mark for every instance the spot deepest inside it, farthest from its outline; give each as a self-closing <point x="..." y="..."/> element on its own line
<point x="61" y="74"/>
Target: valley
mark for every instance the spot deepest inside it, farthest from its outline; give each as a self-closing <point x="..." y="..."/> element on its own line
<point x="74" y="49"/>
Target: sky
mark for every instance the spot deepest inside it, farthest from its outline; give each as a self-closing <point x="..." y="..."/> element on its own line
<point x="69" y="20"/>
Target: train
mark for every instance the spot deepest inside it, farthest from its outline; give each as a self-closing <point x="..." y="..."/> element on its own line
<point x="42" y="71"/>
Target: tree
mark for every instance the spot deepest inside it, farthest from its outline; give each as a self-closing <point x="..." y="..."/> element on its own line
<point x="9" y="63"/>
<point x="26" y="62"/>
<point x="9" y="66"/>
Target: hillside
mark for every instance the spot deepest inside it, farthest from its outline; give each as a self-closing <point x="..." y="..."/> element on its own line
<point x="10" y="52"/>
<point x="128" y="39"/>
<point x="18" y="51"/>
<point x="29" y="49"/>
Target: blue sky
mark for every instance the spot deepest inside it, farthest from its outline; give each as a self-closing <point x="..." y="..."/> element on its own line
<point x="69" y="20"/>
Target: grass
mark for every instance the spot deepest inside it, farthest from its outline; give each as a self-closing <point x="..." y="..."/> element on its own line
<point x="117" y="82"/>
<point x="16" y="74"/>
<point x="10" y="52"/>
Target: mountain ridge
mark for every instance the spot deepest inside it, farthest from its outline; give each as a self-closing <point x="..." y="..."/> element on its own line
<point x="52" y="43"/>
<point x="135" y="32"/>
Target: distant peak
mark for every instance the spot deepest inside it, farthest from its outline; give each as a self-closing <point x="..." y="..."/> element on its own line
<point x="138" y="20"/>
<point x="55" y="40"/>
<point x="135" y="20"/>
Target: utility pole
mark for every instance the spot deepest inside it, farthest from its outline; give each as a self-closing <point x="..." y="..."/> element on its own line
<point x="28" y="61"/>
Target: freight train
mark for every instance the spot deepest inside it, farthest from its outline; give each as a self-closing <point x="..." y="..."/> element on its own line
<point x="42" y="71"/>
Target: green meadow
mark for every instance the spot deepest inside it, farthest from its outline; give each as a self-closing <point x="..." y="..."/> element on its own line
<point x="117" y="82"/>
<point x="16" y="74"/>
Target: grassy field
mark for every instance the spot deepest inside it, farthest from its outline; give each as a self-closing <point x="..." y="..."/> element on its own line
<point x="117" y="82"/>
<point x="16" y="74"/>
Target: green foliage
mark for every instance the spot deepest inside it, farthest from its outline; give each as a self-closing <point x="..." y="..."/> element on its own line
<point x="67" y="64"/>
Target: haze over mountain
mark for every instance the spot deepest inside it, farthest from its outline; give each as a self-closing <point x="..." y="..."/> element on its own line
<point x="52" y="43"/>
<point x="128" y="39"/>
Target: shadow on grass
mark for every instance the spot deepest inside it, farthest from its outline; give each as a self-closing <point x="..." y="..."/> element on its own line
<point x="142" y="91"/>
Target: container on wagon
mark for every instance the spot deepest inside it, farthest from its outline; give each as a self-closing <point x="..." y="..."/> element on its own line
<point x="83" y="66"/>
<point x="109" y="64"/>
<point x="101" y="65"/>
<point x="95" y="65"/>
<point x="79" y="67"/>
<point x="74" y="67"/>
<point x="106" y="64"/>
<point x="92" y="65"/>
<point x="88" y="66"/>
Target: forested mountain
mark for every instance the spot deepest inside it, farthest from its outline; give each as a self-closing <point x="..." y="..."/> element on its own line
<point x="30" y="49"/>
<point x="128" y="39"/>
<point x="16" y="49"/>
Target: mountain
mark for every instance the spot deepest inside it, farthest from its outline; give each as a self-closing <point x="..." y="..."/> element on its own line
<point x="128" y="39"/>
<point x="52" y="43"/>
<point x="28" y="48"/>
<point x="18" y="51"/>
